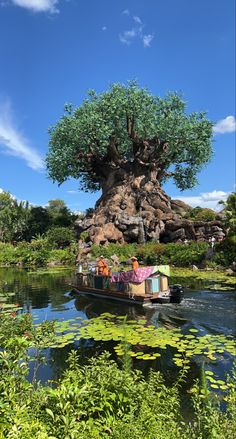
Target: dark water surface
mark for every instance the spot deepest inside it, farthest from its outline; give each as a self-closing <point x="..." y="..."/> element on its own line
<point x="47" y="297"/>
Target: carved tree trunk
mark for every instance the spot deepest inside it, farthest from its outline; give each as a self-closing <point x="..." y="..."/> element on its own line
<point x="132" y="208"/>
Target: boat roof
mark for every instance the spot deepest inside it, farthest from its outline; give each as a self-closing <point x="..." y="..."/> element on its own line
<point x="163" y="269"/>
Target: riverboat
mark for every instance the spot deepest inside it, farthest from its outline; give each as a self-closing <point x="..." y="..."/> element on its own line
<point x="142" y="286"/>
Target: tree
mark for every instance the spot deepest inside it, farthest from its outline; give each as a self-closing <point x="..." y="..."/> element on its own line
<point x="38" y="223"/>
<point x="59" y="213"/>
<point x="123" y="139"/>
<point x="230" y="211"/>
<point x="13" y="217"/>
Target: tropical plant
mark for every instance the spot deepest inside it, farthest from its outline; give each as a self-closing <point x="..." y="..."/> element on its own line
<point x="230" y="211"/>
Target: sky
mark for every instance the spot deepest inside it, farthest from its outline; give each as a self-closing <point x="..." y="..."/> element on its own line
<point x="53" y="51"/>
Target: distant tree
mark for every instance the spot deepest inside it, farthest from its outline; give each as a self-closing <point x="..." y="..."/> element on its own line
<point x="230" y="211"/>
<point x="14" y="217"/>
<point x="38" y="223"/>
<point x="59" y="213"/>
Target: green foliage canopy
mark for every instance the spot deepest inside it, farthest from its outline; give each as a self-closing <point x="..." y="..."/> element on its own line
<point x="21" y="221"/>
<point x="230" y="211"/>
<point x="202" y="214"/>
<point x="128" y="128"/>
<point x="14" y="216"/>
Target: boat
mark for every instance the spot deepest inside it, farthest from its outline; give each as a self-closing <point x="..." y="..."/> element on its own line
<point x="143" y="286"/>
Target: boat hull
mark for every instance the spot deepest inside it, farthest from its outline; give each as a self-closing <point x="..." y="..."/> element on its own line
<point x="143" y="300"/>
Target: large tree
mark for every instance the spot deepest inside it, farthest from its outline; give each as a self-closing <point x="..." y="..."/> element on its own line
<point x="127" y="143"/>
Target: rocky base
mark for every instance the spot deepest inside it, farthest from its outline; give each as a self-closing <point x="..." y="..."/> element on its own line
<point x="140" y="211"/>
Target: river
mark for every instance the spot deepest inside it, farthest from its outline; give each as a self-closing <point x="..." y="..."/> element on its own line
<point x="47" y="296"/>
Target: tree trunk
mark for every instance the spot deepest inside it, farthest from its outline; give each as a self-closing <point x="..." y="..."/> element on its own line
<point x="132" y="208"/>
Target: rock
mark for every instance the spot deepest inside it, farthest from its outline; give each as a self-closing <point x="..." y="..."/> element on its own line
<point x="230" y="272"/>
<point x="233" y="266"/>
<point x="180" y="207"/>
<point x="177" y="235"/>
<point x="105" y="234"/>
<point x="137" y="209"/>
<point x="194" y="267"/>
<point x="53" y="264"/>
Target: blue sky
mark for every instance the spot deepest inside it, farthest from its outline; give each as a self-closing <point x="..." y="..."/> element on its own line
<point x="52" y="52"/>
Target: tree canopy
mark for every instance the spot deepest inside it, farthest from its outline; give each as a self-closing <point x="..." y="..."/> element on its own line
<point x="21" y="221"/>
<point x="127" y="128"/>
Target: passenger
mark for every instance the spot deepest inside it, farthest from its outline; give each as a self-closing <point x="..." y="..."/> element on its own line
<point x="135" y="262"/>
<point x="100" y="265"/>
<point x="105" y="268"/>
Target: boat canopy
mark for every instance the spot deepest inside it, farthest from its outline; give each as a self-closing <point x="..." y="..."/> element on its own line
<point x="163" y="269"/>
<point x="140" y="274"/>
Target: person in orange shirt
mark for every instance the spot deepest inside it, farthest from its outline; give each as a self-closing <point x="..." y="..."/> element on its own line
<point x="134" y="262"/>
<point x="100" y="265"/>
<point x="105" y="268"/>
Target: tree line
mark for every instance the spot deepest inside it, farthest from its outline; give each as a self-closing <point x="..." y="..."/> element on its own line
<point x="20" y="221"/>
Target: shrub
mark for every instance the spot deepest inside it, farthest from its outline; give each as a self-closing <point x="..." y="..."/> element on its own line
<point x="63" y="256"/>
<point x="174" y="254"/>
<point x="225" y="251"/>
<point x="99" y="399"/>
<point x="123" y="251"/>
<point x="60" y="237"/>
<point x="7" y="254"/>
<point x="202" y="214"/>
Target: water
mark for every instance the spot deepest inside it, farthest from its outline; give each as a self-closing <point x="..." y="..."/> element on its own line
<point x="47" y="296"/>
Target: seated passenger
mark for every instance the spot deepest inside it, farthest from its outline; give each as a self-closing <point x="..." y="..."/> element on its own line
<point x="100" y="265"/>
<point x="135" y="263"/>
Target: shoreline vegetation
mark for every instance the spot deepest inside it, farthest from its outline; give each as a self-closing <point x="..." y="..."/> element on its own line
<point x="105" y="398"/>
<point x="189" y="265"/>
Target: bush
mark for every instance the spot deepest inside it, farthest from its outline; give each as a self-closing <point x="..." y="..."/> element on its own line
<point x="98" y="400"/>
<point x="60" y="237"/>
<point x="62" y="256"/>
<point x="202" y="214"/>
<point x="123" y="251"/>
<point x="180" y="255"/>
<point x="27" y="254"/>
<point x="225" y="251"/>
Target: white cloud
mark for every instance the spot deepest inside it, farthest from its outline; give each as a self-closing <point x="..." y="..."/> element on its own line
<point x="126" y="12"/>
<point x="227" y="125"/>
<point x="127" y="36"/>
<point x="14" y="143"/>
<point x="137" y="19"/>
<point x="104" y="28"/>
<point x="73" y="192"/>
<point x="38" y="5"/>
<point x="147" y="39"/>
<point x="205" y="199"/>
<point x="136" y="31"/>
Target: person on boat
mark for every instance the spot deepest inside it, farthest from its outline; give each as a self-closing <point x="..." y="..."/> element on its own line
<point x="135" y="263"/>
<point x="100" y="265"/>
<point x="105" y="268"/>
